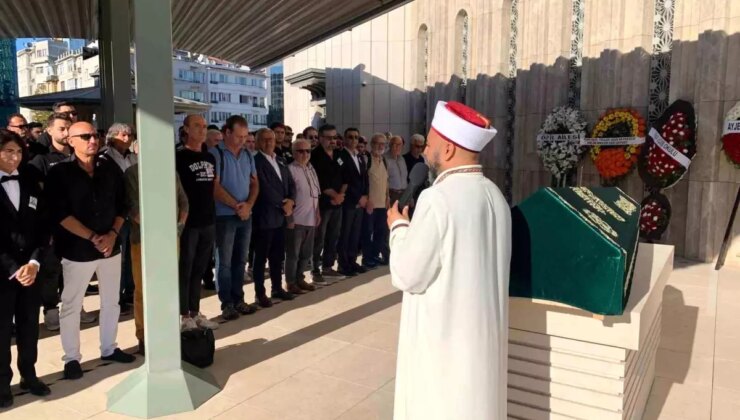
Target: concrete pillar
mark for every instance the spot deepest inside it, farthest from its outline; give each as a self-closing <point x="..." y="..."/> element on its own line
<point x="163" y="385"/>
<point x="115" y="63"/>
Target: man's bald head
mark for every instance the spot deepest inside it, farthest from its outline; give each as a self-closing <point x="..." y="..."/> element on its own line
<point x="84" y="139"/>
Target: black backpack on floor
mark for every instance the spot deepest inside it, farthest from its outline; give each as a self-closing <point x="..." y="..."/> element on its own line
<point x="198" y="346"/>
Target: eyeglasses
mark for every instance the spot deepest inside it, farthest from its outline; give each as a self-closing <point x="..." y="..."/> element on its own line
<point x="71" y="113"/>
<point x="87" y="136"/>
<point x="22" y="126"/>
<point x="303" y="151"/>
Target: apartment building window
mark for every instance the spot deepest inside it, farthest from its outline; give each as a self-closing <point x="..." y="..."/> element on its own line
<point x="261" y="102"/>
<point x="192" y="76"/>
<point x="218" y="116"/>
<point x="245" y="99"/>
<point x="242" y="81"/>
<point x="224" y="97"/>
<point x="222" y="78"/>
<point x="39" y="70"/>
<point x="214" y="78"/>
<point x="192" y="95"/>
<point x="62" y="85"/>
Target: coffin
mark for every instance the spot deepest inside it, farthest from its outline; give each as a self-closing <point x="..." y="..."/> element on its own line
<point x="576" y="246"/>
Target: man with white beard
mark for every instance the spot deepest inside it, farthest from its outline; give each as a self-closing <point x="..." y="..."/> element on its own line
<point x="452" y="263"/>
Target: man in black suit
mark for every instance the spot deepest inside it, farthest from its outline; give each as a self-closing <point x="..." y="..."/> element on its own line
<point x="23" y="234"/>
<point x="274" y="203"/>
<point x="355" y="188"/>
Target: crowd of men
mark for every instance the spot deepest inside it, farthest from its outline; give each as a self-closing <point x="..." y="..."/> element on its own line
<point x="245" y="201"/>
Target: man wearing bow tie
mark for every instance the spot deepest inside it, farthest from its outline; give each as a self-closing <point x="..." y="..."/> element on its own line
<point x="22" y="238"/>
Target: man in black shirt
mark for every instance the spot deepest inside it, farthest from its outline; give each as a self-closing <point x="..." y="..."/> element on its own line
<point x="87" y="200"/>
<point x="355" y="187"/>
<point x="330" y="201"/>
<point x="197" y="174"/>
<point x="50" y="275"/>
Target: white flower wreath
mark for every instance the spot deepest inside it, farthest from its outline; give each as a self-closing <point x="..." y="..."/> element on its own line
<point x="559" y="157"/>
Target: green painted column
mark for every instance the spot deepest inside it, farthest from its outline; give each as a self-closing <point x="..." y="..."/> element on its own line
<point x="163" y="385"/>
<point x="115" y="63"/>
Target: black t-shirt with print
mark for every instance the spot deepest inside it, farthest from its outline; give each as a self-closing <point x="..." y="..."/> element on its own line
<point x="197" y="174"/>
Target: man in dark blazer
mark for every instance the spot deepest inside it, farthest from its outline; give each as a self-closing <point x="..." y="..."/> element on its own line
<point x="355" y="187"/>
<point x="274" y="203"/>
<point x="23" y="235"/>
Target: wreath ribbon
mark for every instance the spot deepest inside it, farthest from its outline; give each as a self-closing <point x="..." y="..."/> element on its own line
<point x="669" y="150"/>
<point x="731" y="127"/>
<point x="560" y="137"/>
<point x="612" y="141"/>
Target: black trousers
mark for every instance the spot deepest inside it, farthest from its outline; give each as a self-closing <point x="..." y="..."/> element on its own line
<point x="196" y="251"/>
<point x="349" y="237"/>
<point x="376" y="235"/>
<point x="269" y="246"/>
<point x="21" y="303"/>
<point x="327" y="235"/>
<point x="50" y="278"/>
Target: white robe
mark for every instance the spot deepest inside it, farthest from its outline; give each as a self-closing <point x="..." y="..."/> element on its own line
<point x="452" y="263"/>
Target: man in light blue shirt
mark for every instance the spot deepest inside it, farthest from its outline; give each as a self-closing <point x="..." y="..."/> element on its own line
<point x="236" y="190"/>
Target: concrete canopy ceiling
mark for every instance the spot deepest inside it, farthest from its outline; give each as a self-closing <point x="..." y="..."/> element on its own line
<point x="255" y="33"/>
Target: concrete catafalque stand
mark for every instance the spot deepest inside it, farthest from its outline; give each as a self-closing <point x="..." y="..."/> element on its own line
<point x="567" y="363"/>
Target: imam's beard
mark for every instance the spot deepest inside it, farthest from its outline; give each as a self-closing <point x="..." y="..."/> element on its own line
<point x="434" y="168"/>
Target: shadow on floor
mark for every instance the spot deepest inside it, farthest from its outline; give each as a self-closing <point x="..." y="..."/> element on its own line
<point x="97" y="370"/>
<point x="678" y="334"/>
<point x="262" y="349"/>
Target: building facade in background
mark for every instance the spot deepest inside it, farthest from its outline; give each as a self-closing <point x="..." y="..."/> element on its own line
<point x="37" y="69"/>
<point x="229" y="89"/>
<point x="8" y="79"/>
<point x="515" y="61"/>
<point x="275" y="96"/>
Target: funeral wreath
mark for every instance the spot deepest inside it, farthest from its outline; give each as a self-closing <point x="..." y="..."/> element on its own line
<point x="616" y="142"/>
<point x="559" y="141"/>
<point x="731" y="135"/>
<point x="670" y="146"/>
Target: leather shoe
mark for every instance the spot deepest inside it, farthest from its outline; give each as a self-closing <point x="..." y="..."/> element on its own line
<point x="294" y="289"/>
<point x="360" y="269"/>
<point x="306" y="286"/>
<point x="282" y="295"/>
<point x="6" y="398"/>
<point x="263" y="301"/>
<point x="72" y="370"/>
<point x="35" y="387"/>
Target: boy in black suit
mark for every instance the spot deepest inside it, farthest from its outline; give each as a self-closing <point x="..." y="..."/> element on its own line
<point x="22" y="237"/>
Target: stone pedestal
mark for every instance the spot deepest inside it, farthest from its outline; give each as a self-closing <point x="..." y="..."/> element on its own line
<point x="567" y="363"/>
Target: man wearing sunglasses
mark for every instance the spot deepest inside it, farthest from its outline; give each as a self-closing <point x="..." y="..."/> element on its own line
<point x="302" y="224"/>
<point x="18" y="124"/>
<point x="87" y="198"/>
<point x="324" y="160"/>
<point x="312" y="135"/>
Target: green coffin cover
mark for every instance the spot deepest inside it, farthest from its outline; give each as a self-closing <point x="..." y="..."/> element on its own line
<point x="575" y="246"/>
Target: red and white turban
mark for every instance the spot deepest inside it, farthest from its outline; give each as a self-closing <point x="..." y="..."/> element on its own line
<point x="463" y="126"/>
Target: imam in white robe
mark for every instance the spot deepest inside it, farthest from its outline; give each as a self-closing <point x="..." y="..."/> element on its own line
<point x="452" y="263"/>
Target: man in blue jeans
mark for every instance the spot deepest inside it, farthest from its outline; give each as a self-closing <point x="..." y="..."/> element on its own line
<point x="236" y="190"/>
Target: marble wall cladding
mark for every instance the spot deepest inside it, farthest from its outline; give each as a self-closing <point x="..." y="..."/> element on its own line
<point x="705" y="63"/>
<point x="617" y="49"/>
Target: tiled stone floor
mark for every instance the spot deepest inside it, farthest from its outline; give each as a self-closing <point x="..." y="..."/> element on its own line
<point x="331" y="355"/>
